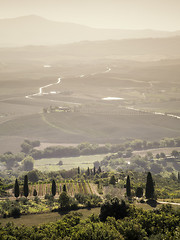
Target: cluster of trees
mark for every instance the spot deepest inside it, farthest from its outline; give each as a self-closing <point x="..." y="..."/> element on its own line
<point x="11" y="160"/>
<point x="156" y="164"/>
<point x="117" y="221"/>
<point x="61" y="151"/>
<point x="91" y="149"/>
<point x="119" y="151"/>
<point x="19" y="161"/>
<point x="149" y="190"/>
<point x="143" y="145"/>
<point x="166" y="187"/>
<point x="28" y="145"/>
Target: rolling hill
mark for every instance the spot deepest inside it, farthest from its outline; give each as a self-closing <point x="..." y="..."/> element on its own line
<point x="35" y="30"/>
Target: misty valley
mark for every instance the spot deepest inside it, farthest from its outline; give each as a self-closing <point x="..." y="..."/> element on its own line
<point x="89" y="132"/>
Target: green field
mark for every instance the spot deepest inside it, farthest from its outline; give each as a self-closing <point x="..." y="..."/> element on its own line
<point x="51" y="164"/>
<point x="36" y="219"/>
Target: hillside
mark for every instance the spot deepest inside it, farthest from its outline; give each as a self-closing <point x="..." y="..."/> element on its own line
<point x="35" y="30"/>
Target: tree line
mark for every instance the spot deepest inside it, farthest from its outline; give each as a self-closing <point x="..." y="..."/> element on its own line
<point x="92" y="149"/>
<point x="117" y="221"/>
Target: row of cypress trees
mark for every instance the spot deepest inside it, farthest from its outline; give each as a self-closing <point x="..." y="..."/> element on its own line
<point x="26" y="188"/>
<point x="149" y="187"/>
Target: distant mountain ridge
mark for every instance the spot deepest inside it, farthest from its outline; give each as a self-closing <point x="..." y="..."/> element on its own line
<point x="35" y="30"/>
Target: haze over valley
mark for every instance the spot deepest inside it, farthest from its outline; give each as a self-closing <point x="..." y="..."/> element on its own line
<point x="114" y="89"/>
<point x="90" y="119"/>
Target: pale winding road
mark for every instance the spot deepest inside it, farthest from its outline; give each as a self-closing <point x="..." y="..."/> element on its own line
<point x="41" y="93"/>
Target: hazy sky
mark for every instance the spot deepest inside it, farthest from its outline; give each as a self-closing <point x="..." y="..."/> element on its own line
<point x="124" y="14"/>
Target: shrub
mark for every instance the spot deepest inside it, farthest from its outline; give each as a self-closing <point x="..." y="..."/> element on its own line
<point x="114" y="208"/>
<point x="15" y="212"/>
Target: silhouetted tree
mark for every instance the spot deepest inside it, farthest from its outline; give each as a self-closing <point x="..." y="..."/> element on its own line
<point x="112" y="180"/>
<point x="94" y="170"/>
<point x="149" y="186"/>
<point x="64" y="188"/>
<point x="78" y="170"/>
<point x="53" y="189"/>
<point x="26" y="189"/>
<point x="16" y="189"/>
<point x="139" y="192"/>
<point x="34" y="193"/>
<point x="88" y="172"/>
<point x="128" y="187"/>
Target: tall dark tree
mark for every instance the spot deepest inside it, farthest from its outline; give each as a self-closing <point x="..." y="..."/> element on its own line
<point x="78" y="170"/>
<point x="178" y="176"/>
<point x="53" y="189"/>
<point x="64" y="188"/>
<point x="128" y="187"/>
<point x="149" y="186"/>
<point x="26" y="189"/>
<point x="94" y="170"/>
<point x="16" y="189"/>
<point x="88" y="172"/>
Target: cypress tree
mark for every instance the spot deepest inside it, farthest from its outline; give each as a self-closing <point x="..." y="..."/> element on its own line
<point x="149" y="186"/>
<point x="94" y="170"/>
<point x="78" y="170"/>
<point x="64" y="188"/>
<point x="26" y="189"/>
<point x="53" y="189"/>
<point x="16" y="189"/>
<point x="128" y="187"/>
<point x="88" y="172"/>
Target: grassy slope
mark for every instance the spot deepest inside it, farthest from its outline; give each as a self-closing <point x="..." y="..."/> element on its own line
<point x="79" y="127"/>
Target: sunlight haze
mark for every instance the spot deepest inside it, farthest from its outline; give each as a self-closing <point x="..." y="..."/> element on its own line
<point x="129" y="14"/>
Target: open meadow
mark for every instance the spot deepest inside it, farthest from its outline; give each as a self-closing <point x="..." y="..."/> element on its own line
<point x="51" y="164"/>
